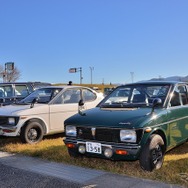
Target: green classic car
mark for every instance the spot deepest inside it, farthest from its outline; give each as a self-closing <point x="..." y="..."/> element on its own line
<point x="138" y="121"/>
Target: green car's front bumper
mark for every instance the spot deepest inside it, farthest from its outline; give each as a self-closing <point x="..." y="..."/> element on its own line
<point x="118" y="151"/>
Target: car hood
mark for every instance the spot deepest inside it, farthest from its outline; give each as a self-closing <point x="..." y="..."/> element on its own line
<point x="129" y="118"/>
<point x="18" y="109"/>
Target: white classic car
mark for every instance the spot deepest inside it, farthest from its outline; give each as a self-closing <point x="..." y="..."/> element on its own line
<point x="44" y="111"/>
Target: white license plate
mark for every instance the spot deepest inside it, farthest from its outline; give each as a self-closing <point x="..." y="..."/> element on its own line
<point x="93" y="147"/>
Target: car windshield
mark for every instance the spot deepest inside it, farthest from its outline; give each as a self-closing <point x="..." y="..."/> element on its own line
<point x="136" y="95"/>
<point x="42" y="95"/>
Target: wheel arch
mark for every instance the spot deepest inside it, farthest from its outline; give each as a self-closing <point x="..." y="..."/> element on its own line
<point x="159" y="132"/>
<point x="36" y="120"/>
<point x="163" y="136"/>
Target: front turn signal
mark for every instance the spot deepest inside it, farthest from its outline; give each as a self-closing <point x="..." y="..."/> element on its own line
<point x="121" y="152"/>
<point x="70" y="145"/>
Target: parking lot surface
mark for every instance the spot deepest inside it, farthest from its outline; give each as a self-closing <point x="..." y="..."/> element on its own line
<point x="63" y="175"/>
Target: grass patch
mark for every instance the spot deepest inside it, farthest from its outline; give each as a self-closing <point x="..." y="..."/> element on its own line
<point x="174" y="169"/>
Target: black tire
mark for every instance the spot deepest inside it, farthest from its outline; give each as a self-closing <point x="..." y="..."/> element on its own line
<point x="73" y="153"/>
<point x="152" y="155"/>
<point x="32" y="133"/>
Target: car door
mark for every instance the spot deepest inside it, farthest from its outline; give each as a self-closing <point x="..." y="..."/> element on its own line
<point x="64" y="106"/>
<point x="178" y="116"/>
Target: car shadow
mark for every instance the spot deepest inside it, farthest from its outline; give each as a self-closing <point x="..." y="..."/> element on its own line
<point x="54" y="136"/>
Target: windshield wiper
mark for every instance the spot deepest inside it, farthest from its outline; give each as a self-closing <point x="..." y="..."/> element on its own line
<point x="124" y="105"/>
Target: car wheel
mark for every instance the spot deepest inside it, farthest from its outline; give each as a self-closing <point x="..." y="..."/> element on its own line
<point x="73" y="153"/>
<point x="32" y="133"/>
<point x="152" y="155"/>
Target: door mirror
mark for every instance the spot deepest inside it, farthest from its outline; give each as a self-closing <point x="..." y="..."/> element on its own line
<point x="156" y="102"/>
<point x="81" y="107"/>
<point x="81" y="103"/>
<point x="35" y="100"/>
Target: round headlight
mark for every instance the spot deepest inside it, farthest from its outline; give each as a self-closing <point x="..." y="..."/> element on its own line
<point x="70" y="130"/>
<point x="128" y="136"/>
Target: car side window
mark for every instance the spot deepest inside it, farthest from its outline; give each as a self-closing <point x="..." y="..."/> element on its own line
<point x="88" y="95"/>
<point x="69" y="96"/>
<point x="72" y="96"/>
<point x="21" y="91"/>
<point x="6" y="91"/>
<point x="183" y="94"/>
<point x="3" y="92"/>
<point x="179" y="96"/>
<point x="59" y="100"/>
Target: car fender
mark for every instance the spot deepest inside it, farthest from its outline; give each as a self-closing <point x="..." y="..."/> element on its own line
<point x="156" y="130"/>
<point x="42" y="121"/>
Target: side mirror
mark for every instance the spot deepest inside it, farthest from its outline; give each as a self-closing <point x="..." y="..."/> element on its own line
<point x="34" y="101"/>
<point x="81" y="103"/>
<point x="81" y="107"/>
<point x="156" y="102"/>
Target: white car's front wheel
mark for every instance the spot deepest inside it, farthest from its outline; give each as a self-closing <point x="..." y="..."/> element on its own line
<point x="32" y="133"/>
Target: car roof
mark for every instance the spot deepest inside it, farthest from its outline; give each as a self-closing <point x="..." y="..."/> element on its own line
<point x="32" y="83"/>
<point x="154" y="83"/>
<point x="67" y="86"/>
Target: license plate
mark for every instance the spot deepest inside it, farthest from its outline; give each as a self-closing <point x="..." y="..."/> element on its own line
<point x="93" y="147"/>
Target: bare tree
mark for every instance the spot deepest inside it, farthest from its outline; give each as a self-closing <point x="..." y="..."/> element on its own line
<point x="13" y="75"/>
<point x="10" y="75"/>
<point x="1" y="71"/>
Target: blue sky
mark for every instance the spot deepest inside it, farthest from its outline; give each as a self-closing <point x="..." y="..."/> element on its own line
<point x="44" y="38"/>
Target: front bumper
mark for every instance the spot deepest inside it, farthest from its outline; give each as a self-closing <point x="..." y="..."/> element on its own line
<point x="121" y="151"/>
<point x="8" y="130"/>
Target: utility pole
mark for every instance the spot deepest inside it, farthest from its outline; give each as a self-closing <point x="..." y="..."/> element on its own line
<point x="80" y="75"/>
<point x="91" y="69"/>
<point x="74" y="70"/>
<point x="103" y="81"/>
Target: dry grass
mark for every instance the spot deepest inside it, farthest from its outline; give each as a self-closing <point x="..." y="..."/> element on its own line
<point x="174" y="169"/>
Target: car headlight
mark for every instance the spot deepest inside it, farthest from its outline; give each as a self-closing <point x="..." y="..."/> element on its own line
<point x="128" y="136"/>
<point x="11" y="121"/>
<point x="70" y="130"/>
